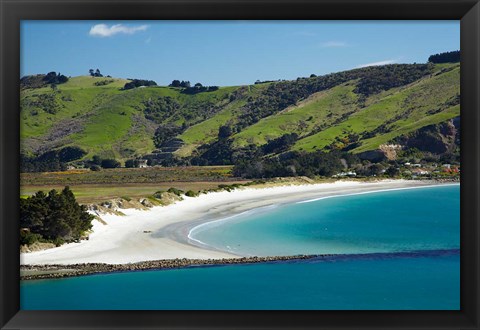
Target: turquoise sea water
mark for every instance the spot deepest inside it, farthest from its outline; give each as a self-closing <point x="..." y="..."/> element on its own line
<point x="398" y="220"/>
<point x="402" y="251"/>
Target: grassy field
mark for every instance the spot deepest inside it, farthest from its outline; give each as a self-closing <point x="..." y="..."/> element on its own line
<point x="94" y="193"/>
<point x="129" y="175"/>
<point x="89" y="186"/>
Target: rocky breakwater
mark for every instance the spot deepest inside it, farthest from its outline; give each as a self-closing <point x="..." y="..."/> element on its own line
<point x="34" y="272"/>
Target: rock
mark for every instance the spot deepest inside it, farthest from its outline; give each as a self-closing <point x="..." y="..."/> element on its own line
<point x="437" y="139"/>
<point x="57" y="271"/>
<point x="390" y="150"/>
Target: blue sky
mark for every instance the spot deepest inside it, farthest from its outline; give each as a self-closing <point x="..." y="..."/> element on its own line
<point x="227" y="52"/>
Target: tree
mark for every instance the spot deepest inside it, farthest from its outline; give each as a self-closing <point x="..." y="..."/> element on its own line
<point x="53" y="160"/>
<point x="53" y="78"/>
<point x="62" y="78"/>
<point x="198" y="85"/>
<point x="92" y="73"/>
<point x="175" y="83"/>
<point x="54" y="217"/>
<point x="130" y="163"/>
<point x="392" y="171"/>
<point x="98" y="74"/>
<point x="33" y="211"/>
<point x="447" y="57"/>
<point x="224" y="131"/>
<point x="280" y="144"/>
<point x="139" y="82"/>
<point x="69" y="154"/>
<point x="95" y="168"/>
<point x="97" y="160"/>
<point x="50" y="76"/>
<point x="371" y="170"/>
<point x="110" y="163"/>
<point x="216" y="153"/>
<point x="165" y="133"/>
<point x="185" y="84"/>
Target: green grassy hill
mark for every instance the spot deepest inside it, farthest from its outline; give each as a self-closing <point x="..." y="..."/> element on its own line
<point x="400" y="111"/>
<point x="357" y="110"/>
<point x="103" y="120"/>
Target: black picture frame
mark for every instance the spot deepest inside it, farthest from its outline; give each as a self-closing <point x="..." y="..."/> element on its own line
<point x="13" y="11"/>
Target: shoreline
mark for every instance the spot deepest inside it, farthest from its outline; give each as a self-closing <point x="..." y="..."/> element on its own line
<point x="178" y="233"/>
<point x="162" y="233"/>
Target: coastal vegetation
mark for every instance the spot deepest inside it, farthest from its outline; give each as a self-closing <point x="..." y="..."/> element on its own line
<point x="53" y="217"/>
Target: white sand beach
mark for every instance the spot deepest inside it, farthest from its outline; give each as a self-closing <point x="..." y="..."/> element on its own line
<point x="162" y="232"/>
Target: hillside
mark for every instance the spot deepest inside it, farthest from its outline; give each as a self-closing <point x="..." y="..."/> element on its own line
<point x="358" y="111"/>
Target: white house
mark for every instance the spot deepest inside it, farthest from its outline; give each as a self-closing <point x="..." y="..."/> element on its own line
<point x="142" y="163"/>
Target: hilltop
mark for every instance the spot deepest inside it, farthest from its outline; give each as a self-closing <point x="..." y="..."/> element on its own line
<point x="373" y="114"/>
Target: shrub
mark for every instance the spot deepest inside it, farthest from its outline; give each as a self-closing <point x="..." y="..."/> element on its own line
<point x="68" y="154"/>
<point x="103" y="82"/>
<point x="58" y="241"/>
<point x="175" y="191"/>
<point x="139" y="82"/>
<point x="129" y="163"/>
<point x="110" y="163"/>
<point x="28" y="238"/>
<point x="191" y="193"/>
<point x="158" y="194"/>
<point x="95" y="168"/>
<point x="226" y="187"/>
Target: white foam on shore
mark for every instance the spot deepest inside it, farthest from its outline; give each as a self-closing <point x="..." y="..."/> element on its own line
<point x="373" y="192"/>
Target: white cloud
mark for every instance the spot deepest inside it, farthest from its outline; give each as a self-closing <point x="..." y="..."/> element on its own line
<point x="103" y="30"/>
<point x="333" y="44"/>
<point x="377" y="63"/>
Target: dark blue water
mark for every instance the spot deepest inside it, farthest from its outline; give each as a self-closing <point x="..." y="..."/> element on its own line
<point x="425" y="221"/>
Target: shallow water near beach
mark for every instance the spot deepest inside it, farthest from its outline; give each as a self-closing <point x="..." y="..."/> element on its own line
<point x="426" y="218"/>
<point x="402" y="253"/>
